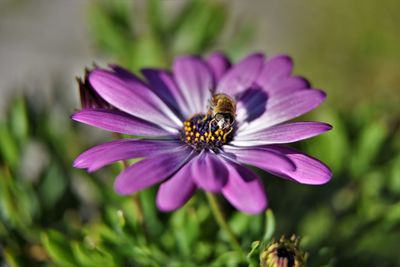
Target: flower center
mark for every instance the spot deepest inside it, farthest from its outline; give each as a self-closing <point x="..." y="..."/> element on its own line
<point x="204" y="132"/>
<point x="282" y="252"/>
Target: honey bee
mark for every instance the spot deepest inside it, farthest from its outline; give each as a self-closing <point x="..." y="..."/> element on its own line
<point x="223" y="111"/>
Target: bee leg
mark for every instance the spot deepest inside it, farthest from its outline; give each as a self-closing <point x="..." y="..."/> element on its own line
<point x="227" y="133"/>
<point x="209" y="127"/>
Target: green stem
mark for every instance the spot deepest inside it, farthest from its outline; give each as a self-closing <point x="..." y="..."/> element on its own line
<point x="223" y="224"/>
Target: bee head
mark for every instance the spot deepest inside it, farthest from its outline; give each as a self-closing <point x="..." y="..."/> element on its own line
<point x="224" y="120"/>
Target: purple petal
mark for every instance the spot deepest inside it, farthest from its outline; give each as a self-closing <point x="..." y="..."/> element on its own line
<point x="195" y="81"/>
<point x="150" y="171"/>
<point x="308" y="169"/>
<point x="104" y="154"/>
<point x="275" y="77"/>
<point x="163" y="84"/>
<point x="124" y="91"/>
<point x="209" y="172"/>
<point x="176" y="191"/>
<point x="219" y="64"/>
<point x="283" y="133"/>
<point x="242" y="75"/>
<point x="265" y="159"/>
<point x="275" y="69"/>
<point x="244" y="190"/>
<point x="120" y="122"/>
<point x="285" y="108"/>
<point x="126" y="75"/>
<point x="251" y="104"/>
<point x="285" y="86"/>
<point x="90" y="99"/>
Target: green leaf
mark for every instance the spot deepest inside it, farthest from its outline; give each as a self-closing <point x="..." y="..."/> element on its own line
<point x="394" y="180"/>
<point x="153" y="223"/>
<point x="331" y="147"/>
<point x="254" y="248"/>
<point x="53" y="186"/>
<point x="8" y="145"/>
<point x="199" y="27"/>
<point x="253" y="256"/>
<point x="11" y="259"/>
<point x="239" y="41"/>
<point x="111" y="25"/>
<point x="316" y="225"/>
<point x="183" y="17"/>
<point x="392" y="216"/>
<point x="156" y="18"/>
<point x="18" y="202"/>
<point x="103" y="232"/>
<point x="19" y="120"/>
<point x="147" y="51"/>
<point x="229" y="259"/>
<point x="367" y="147"/>
<point x="186" y="229"/>
<point x="91" y="256"/>
<point x="56" y="244"/>
<point x="240" y="223"/>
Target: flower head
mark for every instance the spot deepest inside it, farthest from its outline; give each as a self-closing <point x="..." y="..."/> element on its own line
<point x="200" y="124"/>
<point x="283" y="253"/>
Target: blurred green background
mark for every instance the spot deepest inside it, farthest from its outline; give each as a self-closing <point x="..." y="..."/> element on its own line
<point x="54" y="215"/>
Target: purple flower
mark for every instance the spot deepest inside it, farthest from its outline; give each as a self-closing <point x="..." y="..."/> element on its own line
<point x="201" y="124"/>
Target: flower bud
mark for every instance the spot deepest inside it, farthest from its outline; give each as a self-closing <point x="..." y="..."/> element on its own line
<point x="283" y="253"/>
